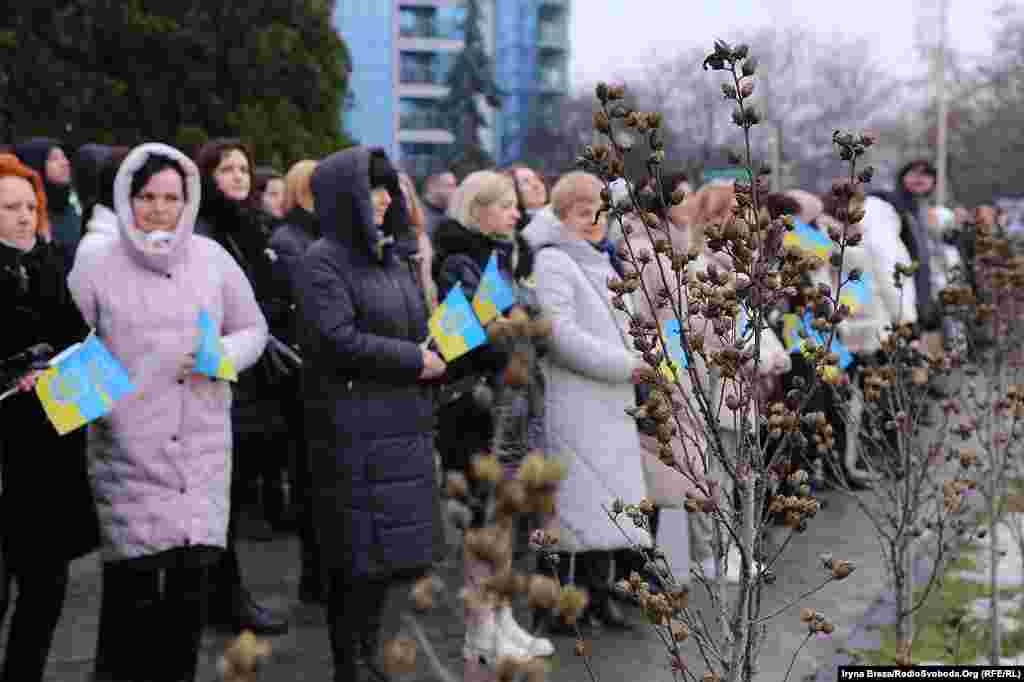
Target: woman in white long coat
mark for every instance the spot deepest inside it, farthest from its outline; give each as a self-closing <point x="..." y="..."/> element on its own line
<point x="590" y="372"/>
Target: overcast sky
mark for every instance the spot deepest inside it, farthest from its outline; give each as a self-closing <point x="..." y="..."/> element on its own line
<point x="608" y="36"/>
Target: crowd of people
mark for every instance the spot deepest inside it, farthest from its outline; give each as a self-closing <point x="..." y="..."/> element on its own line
<point x="320" y="281"/>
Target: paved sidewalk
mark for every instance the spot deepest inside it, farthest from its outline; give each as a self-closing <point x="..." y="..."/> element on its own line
<point x="272" y="568"/>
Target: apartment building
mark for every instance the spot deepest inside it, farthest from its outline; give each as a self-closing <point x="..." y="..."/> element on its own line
<point x="402" y="51"/>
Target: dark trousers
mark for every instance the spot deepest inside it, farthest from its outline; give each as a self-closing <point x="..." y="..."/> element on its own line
<point x="226" y="575"/>
<point x="354" y="616"/>
<point x="151" y="621"/>
<point x="301" y="474"/>
<point x="37" y="610"/>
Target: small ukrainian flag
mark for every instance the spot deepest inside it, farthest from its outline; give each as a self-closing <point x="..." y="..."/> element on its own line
<point x="211" y="359"/>
<point x="81" y="385"/>
<point x="494" y="295"/>
<point x="455" y="327"/>
<point x="838" y="347"/>
<point x="791" y="327"/>
<point x="675" y="360"/>
<point x="810" y="239"/>
<point x="856" y="294"/>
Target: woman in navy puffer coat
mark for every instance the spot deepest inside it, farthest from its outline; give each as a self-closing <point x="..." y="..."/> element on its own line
<point x="369" y="408"/>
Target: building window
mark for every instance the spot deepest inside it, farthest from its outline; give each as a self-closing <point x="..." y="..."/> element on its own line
<point x="420" y="114"/>
<point x="431" y="22"/>
<point x="449" y="21"/>
<point x="422" y="159"/>
<point x="417" y="22"/>
<point x="551" y="74"/>
<point x="548" y="109"/>
<point x="418" y="67"/>
<point x="551" y="28"/>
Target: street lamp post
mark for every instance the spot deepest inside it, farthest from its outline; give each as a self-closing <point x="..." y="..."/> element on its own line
<point x="942" y="135"/>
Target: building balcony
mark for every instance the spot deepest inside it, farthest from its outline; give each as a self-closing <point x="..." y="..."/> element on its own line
<point x="552" y="37"/>
<point x="422" y="90"/>
<point x="435" y="136"/>
<point x="415" y="44"/>
<point x="422" y="120"/>
<point x="433" y="23"/>
<point x="416" y="74"/>
<point x="552" y="79"/>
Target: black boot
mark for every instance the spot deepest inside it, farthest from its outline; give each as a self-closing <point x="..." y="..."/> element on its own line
<point x="368" y="648"/>
<point x="242" y="612"/>
<point x="596" y="570"/>
<point x="311" y="588"/>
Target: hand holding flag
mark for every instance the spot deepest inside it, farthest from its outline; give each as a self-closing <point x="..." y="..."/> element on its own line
<point x="210" y="357"/>
<point x="493" y="295"/>
<point x="810" y="239"/>
<point x="856" y="294"/>
<point x="81" y="385"/>
<point x="454" y="326"/>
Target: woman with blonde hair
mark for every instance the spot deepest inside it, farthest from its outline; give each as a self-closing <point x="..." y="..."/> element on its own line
<point x="299" y="227"/>
<point x="289" y="242"/>
<point x="712" y="205"/>
<point x="425" y="250"/>
<point x="487" y="405"/>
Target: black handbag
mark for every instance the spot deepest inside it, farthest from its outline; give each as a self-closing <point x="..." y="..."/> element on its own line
<point x="279" y="362"/>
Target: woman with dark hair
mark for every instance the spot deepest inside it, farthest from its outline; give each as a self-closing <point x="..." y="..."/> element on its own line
<point x="39" y="466"/>
<point x="531" y="193"/>
<point x="268" y="191"/>
<point x="47" y="158"/>
<point x="368" y="404"/>
<point x="89" y="161"/>
<point x="160" y="461"/>
<point x="257" y="421"/>
<point x="101" y="219"/>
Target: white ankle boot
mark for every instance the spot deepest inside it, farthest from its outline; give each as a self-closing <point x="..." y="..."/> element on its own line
<point x="510" y="629"/>
<point x="487" y="643"/>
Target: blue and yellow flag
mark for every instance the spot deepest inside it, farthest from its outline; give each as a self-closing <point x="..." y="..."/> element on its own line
<point x="742" y="324"/>
<point x="675" y="359"/>
<point x="211" y="359"/>
<point x="494" y="295"/>
<point x="454" y="326"/>
<point x="856" y="294"/>
<point x="838" y="347"/>
<point x="792" y="325"/>
<point x="82" y="384"/>
<point x="810" y="239"/>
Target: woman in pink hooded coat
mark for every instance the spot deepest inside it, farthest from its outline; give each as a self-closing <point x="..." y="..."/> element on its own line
<point x="160" y="461"/>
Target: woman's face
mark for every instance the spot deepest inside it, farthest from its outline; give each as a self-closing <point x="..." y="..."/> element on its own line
<point x="918" y="182"/>
<point x="273" y="197"/>
<point x="499" y="217"/>
<point x="676" y="213"/>
<point x="18" y="216"/>
<point x="159" y="203"/>
<point x="580" y="219"/>
<point x="58" y="168"/>
<point x="232" y="175"/>
<point x="380" y="197"/>
<point x="535" y="194"/>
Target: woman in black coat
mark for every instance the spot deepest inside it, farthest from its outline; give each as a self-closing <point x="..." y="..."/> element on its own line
<point x="368" y="406"/>
<point x="39" y="467"/>
<point x="297" y="231"/>
<point x="462" y="248"/>
<point x="259" y="430"/>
